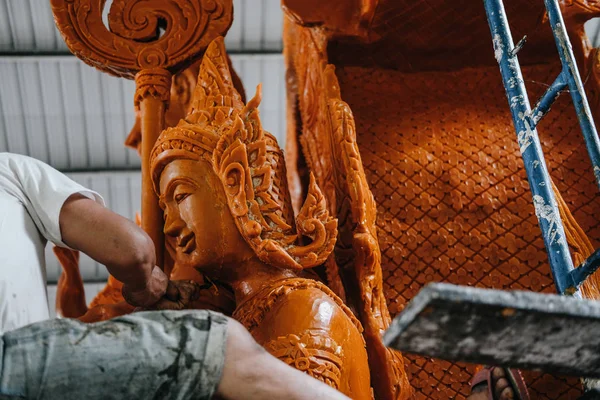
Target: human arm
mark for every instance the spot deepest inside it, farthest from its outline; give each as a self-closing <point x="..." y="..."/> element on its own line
<point x="69" y="215"/>
<point x="124" y="248"/>
<point x="250" y="372"/>
<point x="126" y="251"/>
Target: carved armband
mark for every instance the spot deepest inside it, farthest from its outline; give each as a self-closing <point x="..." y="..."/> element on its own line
<point x="314" y="353"/>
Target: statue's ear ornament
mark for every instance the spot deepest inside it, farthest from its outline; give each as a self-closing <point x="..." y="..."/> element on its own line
<point x="242" y="162"/>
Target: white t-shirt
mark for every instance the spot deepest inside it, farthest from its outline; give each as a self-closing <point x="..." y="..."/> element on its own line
<point x="31" y="197"/>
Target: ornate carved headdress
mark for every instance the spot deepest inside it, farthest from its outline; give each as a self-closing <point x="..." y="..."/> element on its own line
<point x="223" y="131"/>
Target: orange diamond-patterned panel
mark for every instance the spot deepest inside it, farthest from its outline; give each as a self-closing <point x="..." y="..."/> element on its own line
<point x="454" y="205"/>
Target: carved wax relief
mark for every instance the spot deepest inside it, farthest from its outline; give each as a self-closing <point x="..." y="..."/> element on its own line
<point x="182" y="88"/>
<point x="329" y="138"/>
<point x="230" y="138"/>
<point x="71" y="303"/>
<point x="148" y="41"/>
<point x="214" y="298"/>
<point x="222" y="185"/>
<point x="311" y="351"/>
<point x="318" y="357"/>
<point x="429" y="120"/>
<point x="582" y="9"/>
<point x="123" y="50"/>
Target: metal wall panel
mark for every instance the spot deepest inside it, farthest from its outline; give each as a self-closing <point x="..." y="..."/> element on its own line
<point x="63" y="112"/>
<point x="269" y="71"/>
<point x="55" y="109"/>
<point x="592" y="28"/>
<point x="28" y="26"/>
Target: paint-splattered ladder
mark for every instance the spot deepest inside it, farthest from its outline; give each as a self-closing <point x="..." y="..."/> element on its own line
<point x="566" y="277"/>
<point x="555" y="334"/>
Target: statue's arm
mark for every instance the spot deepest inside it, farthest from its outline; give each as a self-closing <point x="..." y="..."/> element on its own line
<point x="70" y="293"/>
<point x="309" y="330"/>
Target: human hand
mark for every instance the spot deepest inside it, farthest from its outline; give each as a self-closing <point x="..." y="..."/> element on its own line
<point x="155" y="288"/>
<point x="178" y="296"/>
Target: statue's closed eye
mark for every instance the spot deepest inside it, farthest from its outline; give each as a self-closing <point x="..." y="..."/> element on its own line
<point x="179" y="197"/>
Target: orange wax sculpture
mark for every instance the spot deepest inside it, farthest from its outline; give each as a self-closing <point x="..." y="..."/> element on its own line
<point x="222" y="186"/>
<point x="398" y="128"/>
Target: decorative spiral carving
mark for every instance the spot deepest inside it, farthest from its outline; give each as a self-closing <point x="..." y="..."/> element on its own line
<point x="134" y="41"/>
<point x="313" y="353"/>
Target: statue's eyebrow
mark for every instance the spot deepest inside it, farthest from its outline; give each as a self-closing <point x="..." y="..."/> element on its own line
<point x="173" y="183"/>
<point x="170" y="185"/>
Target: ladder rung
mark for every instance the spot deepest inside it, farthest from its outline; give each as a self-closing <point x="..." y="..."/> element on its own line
<point x="584" y="114"/>
<point x="545" y="102"/>
<point x="587" y="268"/>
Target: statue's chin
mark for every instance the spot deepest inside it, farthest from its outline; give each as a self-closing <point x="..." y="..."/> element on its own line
<point x="199" y="263"/>
<point x="193" y="266"/>
<point x="198" y="258"/>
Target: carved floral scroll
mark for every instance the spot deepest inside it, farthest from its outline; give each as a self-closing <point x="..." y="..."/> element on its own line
<point x="133" y="40"/>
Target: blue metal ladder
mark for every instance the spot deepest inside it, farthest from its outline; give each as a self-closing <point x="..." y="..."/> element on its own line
<point x="567" y="278"/>
<point x="519" y="329"/>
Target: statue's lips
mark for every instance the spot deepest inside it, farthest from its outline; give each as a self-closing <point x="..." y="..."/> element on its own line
<point x="187" y="244"/>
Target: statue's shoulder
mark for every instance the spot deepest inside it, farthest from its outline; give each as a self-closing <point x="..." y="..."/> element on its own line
<point x="304" y="324"/>
<point x="295" y="299"/>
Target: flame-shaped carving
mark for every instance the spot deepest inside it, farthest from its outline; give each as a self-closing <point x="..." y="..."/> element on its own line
<point x="134" y="41"/>
<point x="241" y="161"/>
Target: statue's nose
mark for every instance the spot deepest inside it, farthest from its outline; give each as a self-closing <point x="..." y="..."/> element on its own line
<point x="173" y="224"/>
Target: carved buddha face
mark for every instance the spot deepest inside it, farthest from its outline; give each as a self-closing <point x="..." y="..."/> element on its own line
<point x="198" y="223"/>
<point x="222" y="183"/>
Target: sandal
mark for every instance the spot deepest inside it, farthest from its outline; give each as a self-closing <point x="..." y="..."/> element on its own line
<point x="512" y="375"/>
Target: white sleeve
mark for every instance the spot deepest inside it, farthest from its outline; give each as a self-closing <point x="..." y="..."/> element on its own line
<point x="42" y="190"/>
